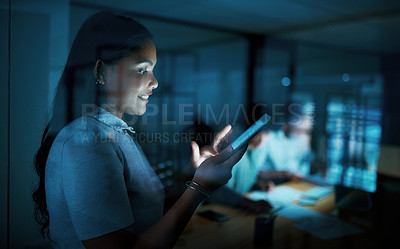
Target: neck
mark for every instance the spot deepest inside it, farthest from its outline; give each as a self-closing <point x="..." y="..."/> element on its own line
<point x="113" y="110"/>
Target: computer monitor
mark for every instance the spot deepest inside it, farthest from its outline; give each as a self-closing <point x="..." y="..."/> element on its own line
<point x="353" y="132"/>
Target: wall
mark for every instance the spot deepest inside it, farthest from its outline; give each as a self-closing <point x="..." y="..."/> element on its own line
<point x="38" y="53"/>
<point x="221" y="80"/>
<point x="29" y="86"/>
<point x="3" y="125"/>
<point x="391" y="113"/>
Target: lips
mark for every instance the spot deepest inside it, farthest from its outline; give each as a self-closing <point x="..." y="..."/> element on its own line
<point x="143" y="96"/>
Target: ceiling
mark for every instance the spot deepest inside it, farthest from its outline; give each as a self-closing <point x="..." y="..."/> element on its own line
<point x="362" y="25"/>
<point x="371" y="26"/>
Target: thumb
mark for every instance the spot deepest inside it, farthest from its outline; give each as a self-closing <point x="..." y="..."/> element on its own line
<point x="223" y="155"/>
<point x="195" y="152"/>
<point x="234" y="157"/>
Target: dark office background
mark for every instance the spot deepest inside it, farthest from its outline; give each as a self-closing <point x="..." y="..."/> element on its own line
<point x="341" y="59"/>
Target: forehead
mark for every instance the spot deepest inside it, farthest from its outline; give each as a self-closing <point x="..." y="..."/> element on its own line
<point x="147" y="54"/>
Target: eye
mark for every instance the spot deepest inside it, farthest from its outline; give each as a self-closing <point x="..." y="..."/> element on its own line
<point x="143" y="71"/>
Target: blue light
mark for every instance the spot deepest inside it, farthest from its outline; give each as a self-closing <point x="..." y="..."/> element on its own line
<point x="285" y="81"/>
<point x="346" y="77"/>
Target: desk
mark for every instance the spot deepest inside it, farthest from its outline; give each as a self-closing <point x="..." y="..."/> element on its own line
<point x="238" y="231"/>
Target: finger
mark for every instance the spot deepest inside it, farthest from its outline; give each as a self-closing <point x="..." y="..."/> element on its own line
<point x="208" y="151"/>
<point x="271" y="186"/>
<point x="224" y="141"/>
<point x="195" y="151"/>
<point x="229" y="133"/>
<point x="234" y="158"/>
<point x="223" y="155"/>
<point x="222" y="134"/>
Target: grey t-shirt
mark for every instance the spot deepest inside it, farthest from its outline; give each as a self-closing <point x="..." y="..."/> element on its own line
<point x="99" y="181"/>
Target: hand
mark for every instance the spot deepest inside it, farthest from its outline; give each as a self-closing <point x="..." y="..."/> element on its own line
<point x="216" y="170"/>
<point x="293" y="176"/>
<point x="254" y="206"/>
<point x="266" y="185"/>
<point x="220" y="141"/>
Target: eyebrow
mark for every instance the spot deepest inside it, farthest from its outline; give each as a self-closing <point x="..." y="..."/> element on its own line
<point x="146" y="61"/>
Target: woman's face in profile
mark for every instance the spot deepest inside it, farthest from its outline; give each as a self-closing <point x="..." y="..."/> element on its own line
<point x="130" y="82"/>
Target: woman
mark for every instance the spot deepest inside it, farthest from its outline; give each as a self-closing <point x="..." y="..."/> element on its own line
<point x="97" y="190"/>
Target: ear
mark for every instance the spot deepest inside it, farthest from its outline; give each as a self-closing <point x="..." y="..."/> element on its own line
<point x="99" y="71"/>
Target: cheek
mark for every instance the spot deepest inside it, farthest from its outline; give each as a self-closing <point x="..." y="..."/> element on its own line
<point x="132" y="83"/>
<point x="129" y="96"/>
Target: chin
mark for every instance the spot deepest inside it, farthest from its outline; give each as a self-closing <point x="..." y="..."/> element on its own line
<point x="136" y="112"/>
<point x="133" y="111"/>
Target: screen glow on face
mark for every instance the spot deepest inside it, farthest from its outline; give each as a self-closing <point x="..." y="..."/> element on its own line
<point x="131" y="81"/>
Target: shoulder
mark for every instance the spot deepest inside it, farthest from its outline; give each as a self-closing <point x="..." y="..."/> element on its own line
<point x="76" y="128"/>
<point x="88" y="147"/>
<point x="265" y="135"/>
<point x="275" y="135"/>
<point x="86" y="130"/>
<point x="84" y="135"/>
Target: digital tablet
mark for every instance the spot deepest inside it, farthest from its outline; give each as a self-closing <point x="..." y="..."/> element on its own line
<point x="250" y="132"/>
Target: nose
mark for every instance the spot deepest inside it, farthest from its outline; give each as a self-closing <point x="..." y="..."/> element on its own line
<point x="153" y="84"/>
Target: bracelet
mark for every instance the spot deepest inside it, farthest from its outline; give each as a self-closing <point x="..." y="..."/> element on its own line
<point x="197" y="187"/>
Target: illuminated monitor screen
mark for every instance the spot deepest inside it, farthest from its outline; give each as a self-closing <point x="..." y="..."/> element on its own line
<point x="353" y="130"/>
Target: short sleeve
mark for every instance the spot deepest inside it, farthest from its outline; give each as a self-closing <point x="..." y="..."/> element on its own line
<point x="242" y="175"/>
<point x="94" y="186"/>
<point x="233" y="181"/>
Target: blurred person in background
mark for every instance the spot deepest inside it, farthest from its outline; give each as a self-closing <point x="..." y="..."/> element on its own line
<point x="277" y="156"/>
<point x="286" y="154"/>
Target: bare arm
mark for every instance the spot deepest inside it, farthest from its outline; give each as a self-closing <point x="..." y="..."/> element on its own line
<point x="161" y="235"/>
<point x="165" y="233"/>
<point x="211" y="174"/>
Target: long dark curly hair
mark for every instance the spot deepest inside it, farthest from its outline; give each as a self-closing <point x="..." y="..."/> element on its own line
<point x="106" y="37"/>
